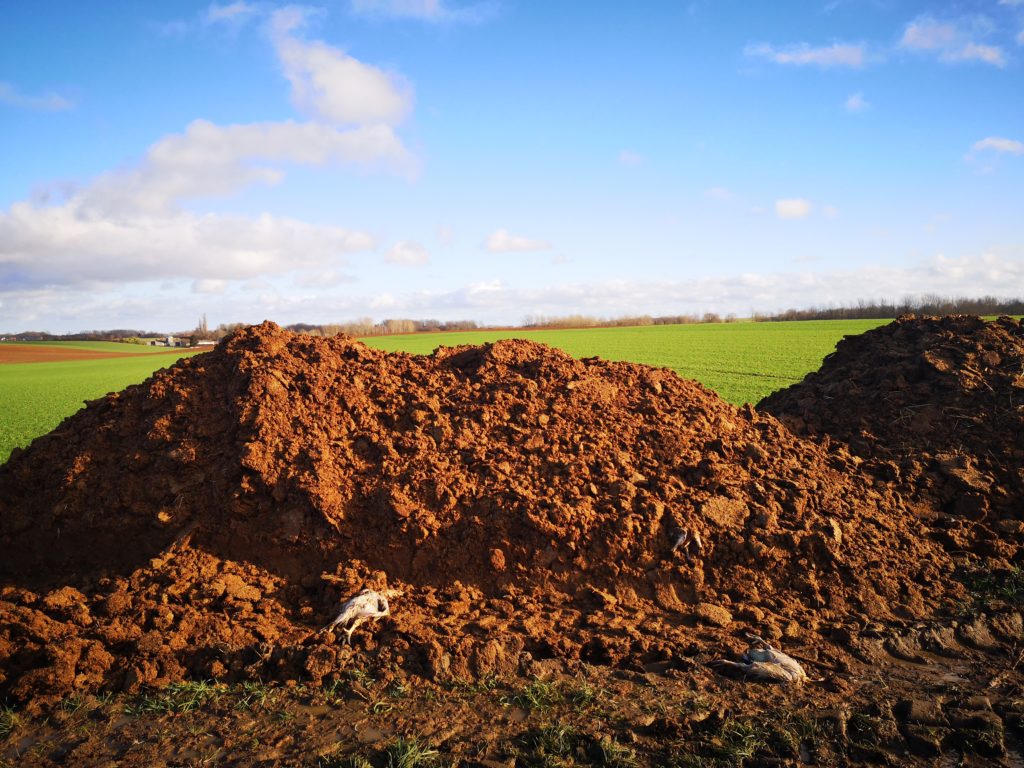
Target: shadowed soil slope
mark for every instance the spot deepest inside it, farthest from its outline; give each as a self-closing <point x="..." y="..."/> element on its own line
<point x="936" y="408"/>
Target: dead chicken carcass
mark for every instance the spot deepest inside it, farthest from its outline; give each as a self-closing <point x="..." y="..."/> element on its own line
<point x="689" y="543"/>
<point x="763" y="662"/>
<point x="368" y="605"/>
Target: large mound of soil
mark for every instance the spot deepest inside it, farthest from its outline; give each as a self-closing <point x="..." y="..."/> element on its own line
<point x="522" y="503"/>
<point x="937" y="406"/>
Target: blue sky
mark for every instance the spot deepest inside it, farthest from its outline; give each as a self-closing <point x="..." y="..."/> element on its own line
<point x="496" y="160"/>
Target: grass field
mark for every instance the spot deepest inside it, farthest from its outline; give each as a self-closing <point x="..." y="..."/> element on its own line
<point x="743" y="362"/>
<point x="36" y="397"/>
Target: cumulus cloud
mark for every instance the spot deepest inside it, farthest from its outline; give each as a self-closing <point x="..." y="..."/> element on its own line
<point x="333" y="86"/>
<point x="792" y="208"/>
<point x="502" y="241"/>
<point x="856" y="102"/>
<point x="999" y="144"/>
<point x="424" y="10"/>
<point x="232" y="13"/>
<point x="63" y="245"/>
<point x="46" y="102"/>
<point x="952" y="40"/>
<point x="802" y="54"/>
<point x="209" y="160"/>
<point x="133" y="224"/>
<point x="407" y="253"/>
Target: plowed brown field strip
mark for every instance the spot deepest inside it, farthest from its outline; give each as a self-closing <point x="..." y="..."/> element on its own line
<point x="33" y="353"/>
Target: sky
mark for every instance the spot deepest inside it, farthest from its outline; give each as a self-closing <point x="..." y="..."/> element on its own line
<point x="499" y="160"/>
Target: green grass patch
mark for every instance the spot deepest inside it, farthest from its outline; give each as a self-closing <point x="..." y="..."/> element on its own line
<point x="537" y="694"/>
<point x="177" y="698"/>
<point x="991" y="588"/>
<point x="37" y="397"/>
<point x="561" y="745"/>
<point x="410" y="753"/>
<point x="8" y="721"/>
<point x="343" y="761"/>
<point x="743" y="362"/>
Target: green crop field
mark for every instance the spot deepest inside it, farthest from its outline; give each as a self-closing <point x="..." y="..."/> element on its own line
<point x="36" y="397"/>
<point x="741" y="361"/>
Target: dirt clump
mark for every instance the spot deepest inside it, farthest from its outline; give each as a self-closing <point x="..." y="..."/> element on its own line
<point x="526" y="508"/>
<point x="936" y="407"/>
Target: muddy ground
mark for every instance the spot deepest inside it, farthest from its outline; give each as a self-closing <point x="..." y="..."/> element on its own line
<point x="567" y="544"/>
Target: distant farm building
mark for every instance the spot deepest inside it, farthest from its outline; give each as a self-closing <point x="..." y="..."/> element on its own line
<point x="169" y="341"/>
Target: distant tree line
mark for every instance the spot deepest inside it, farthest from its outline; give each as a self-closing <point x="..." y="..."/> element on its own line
<point x="929" y="304"/>
<point x="863" y="309"/>
<point x="589" y="321"/>
<point x="367" y="327"/>
<point x="116" y="334"/>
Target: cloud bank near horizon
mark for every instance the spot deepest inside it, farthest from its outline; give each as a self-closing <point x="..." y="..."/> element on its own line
<point x="501" y="302"/>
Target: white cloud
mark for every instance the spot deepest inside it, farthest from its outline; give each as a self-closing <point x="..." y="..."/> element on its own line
<point x="209" y="160"/>
<point x="331" y="85"/>
<point x="927" y="34"/>
<point x="830" y="211"/>
<point x="999" y="144"/>
<point x="64" y="245"/>
<point x="803" y="54"/>
<point x="132" y="225"/>
<point x="209" y="285"/>
<point x="501" y="241"/>
<point x="718" y="193"/>
<point x="990" y="54"/>
<point x="47" y="102"/>
<point x="425" y="10"/>
<point x="630" y="159"/>
<point x="318" y="279"/>
<point x="953" y="40"/>
<point x="232" y="13"/>
<point x="407" y="253"/>
<point x="498" y="302"/>
<point x="792" y="208"/>
<point x="856" y="102"/>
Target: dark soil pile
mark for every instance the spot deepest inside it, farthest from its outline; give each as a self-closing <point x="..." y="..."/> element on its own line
<point x="523" y="504"/>
<point x="936" y="405"/>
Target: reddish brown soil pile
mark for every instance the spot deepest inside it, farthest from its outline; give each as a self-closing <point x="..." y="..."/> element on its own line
<point x="937" y="406"/>
<point x="525" y="503"/>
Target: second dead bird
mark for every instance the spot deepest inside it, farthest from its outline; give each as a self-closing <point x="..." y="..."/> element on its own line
<point x="764" y="663"/>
